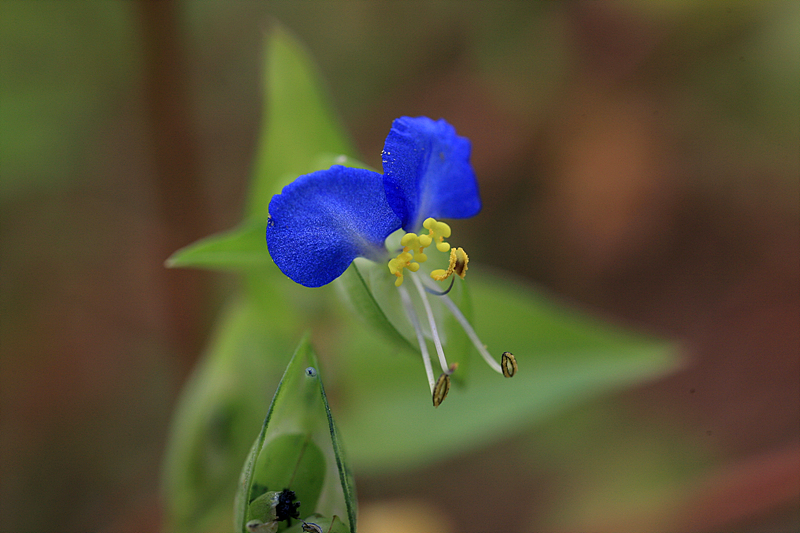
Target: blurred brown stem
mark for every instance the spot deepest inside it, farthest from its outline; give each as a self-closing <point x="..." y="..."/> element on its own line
<point x="180" y="204"/>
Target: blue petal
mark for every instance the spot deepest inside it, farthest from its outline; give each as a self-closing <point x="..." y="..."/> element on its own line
<point x="322" y="221"/>
<point x="427" y="172"/>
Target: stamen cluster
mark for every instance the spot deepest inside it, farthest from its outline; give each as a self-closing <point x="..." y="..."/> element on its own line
<point x="414" y="252"/>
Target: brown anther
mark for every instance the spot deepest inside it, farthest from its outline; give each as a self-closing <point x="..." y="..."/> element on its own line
<point x="441" y="389"/>
<point x="509" y="364"/>
<point x="458" y="264"/>
<point x="461" y="262"/>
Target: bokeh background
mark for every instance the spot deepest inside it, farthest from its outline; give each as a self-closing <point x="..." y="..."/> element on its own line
<point x="640" y="159"/>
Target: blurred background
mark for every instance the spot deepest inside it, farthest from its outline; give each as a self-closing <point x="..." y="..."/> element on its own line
<point x="640" y="159"/>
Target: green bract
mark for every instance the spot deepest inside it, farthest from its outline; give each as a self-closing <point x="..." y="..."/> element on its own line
<point x="297" y="449"/>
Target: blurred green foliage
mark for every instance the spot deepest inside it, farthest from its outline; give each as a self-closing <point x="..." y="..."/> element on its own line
<point x="55" y="86"/>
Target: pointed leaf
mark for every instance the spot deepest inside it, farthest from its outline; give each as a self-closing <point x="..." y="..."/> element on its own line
<point x="238" y="249"/>
<point x="300" y="123"/>
<point x="297" y="449"/>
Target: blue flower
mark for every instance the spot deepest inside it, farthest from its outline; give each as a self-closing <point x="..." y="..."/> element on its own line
<point x="320" y="223"/>
<point x="323" y="220"/>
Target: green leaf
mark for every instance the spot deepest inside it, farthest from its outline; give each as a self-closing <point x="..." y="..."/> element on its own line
<point x="564" y="356"/>
<point x="300" y="123"/>
<point x="242" y="248"/>
<point x="298" y="449"/>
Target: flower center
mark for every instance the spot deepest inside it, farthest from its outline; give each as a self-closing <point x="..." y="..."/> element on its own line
<point x="414" y="252"/>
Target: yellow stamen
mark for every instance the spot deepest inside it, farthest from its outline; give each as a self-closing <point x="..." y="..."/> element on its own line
<point x="437" y="231"/>
<point x="458" y="264"/>
<point x="413" y="252"/>
<point x="396" y="266"/>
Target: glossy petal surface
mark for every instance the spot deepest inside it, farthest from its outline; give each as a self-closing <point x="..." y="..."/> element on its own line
<point x="427" y="172"/>
<point x="323" y="220"/>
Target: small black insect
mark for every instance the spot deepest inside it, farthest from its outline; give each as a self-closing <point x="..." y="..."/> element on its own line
<point x="286" y="506"/>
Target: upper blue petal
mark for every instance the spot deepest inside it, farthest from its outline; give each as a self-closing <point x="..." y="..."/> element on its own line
<point x="322" y="221"/>
<point x="427" y="172"/>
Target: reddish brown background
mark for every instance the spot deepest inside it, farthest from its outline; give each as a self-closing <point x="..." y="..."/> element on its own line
<point x="641" y="159"/>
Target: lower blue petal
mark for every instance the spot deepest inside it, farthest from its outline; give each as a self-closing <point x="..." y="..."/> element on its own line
<point x="427" y="172"/>
<point x="322" y="221"/>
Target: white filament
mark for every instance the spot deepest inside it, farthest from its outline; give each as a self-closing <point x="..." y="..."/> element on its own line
<point x="423" y="346"/>
<point x="432" y="322"/>
<point x="471" y="333"/>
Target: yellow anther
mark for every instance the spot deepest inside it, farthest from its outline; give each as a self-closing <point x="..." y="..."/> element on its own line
<point x="440" y="274"/>
<point x="397" y="264"/>
<point x="437" y="232"/>
<point x="433" y="225"/>
<point x="410" y="240"/>
<point x="458" y="264"/>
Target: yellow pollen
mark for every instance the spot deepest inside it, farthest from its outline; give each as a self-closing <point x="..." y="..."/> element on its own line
<point x="458" y="264"/>
<point x="413" y="252"/>
<point x="403" y="260"/>
<point x="437" y="232"/>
